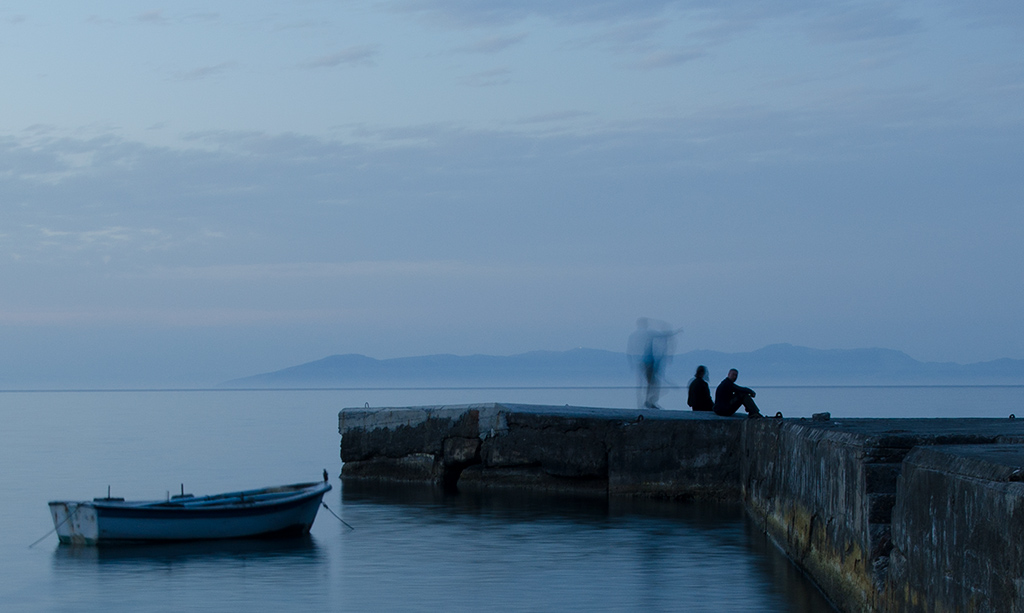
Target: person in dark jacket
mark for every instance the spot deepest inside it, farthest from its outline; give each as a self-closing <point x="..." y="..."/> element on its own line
<point x="729" y="397"/>
<point x="699" y="398"/>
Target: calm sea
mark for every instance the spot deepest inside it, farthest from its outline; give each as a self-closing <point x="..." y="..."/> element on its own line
<point x="412" y="549"/>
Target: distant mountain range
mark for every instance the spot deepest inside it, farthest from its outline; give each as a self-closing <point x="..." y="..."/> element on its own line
<point x="781" y="364"/>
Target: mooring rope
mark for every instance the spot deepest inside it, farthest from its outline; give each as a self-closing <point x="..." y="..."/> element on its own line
<point x="57" y="527"/>
<point x="336" y="515"/>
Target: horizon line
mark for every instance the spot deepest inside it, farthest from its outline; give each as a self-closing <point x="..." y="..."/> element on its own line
<point x="468" y="388"/>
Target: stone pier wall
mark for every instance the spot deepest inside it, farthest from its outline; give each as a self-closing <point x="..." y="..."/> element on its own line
<point x="808" y="489"/>
<point x="826" y="492"/>
<point x="606" y="451"/>
<point x="957" y="531"/>
<point x="899" y="515"/>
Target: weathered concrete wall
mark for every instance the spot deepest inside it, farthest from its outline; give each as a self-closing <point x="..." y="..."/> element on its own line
<point x="419" y="444"/>
<point x="835" y="495"/>
<point x="696" y="457"/>
<point x="825" y="492"/>
<point x="958" y="531"/>
<point x="651" y="453"/>
<point x="807" y="487"/>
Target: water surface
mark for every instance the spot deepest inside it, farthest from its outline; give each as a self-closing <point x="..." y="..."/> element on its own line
<point x="413" y="549"/>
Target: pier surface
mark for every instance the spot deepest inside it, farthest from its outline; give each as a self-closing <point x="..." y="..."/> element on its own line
<point x="884" y="514"/>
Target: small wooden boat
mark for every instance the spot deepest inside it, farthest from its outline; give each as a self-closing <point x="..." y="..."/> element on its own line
<point x="272" y="511"/>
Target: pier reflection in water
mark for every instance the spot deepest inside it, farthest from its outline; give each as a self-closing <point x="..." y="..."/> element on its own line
<point x="527" y="551"/>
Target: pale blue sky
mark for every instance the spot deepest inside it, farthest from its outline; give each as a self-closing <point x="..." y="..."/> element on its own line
<point x="204" y="190"/>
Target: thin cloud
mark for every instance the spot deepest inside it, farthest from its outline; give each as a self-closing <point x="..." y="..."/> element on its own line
<point x="376" y="271"/>
<point x="205" y="72"/>
<point x="34" y="243"/>
<point x="96" y="20"/>
<point x="493" y="44"/>
<point x="488" y="78"/>
<point x="169" y="317"/>
<point x="634" y="23"/>
<point x="155" y="16"/>
<point x="208" y="17"/>
<point x="312" y="270"/>
<point x="554" y="117"/>
<point x="664" y="59"/>
<point x="360" y="55"/>
<point x="498" y="12"/>
<point x="102" y="238"/>
<point x="863" y="23"/>
<point x="998" y="13"/>
<point x="308" y="24"/>
<point x="629" y="35"/>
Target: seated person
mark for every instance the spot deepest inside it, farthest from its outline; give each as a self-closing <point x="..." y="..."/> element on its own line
<point x="729" y="397"/>
<point x="699" y="398"/>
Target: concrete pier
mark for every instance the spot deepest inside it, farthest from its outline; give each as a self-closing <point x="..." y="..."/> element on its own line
<point x="610" y="451"/>
<point x="894" y="515"/>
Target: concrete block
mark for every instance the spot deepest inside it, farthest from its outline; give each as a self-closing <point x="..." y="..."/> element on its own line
<point x="691" y="459"/>
<point x="413" y="468"/>
<point x="958" y="531"/>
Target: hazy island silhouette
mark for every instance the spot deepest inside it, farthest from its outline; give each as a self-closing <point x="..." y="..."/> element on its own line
<point x="779" y="364"/>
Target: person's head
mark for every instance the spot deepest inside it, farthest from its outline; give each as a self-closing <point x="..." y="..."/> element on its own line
<point x="701" y="373"/>
<point x="733" y="374"/>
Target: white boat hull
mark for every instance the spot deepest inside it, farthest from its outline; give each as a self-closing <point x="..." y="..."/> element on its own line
<point x="254" y="513"/>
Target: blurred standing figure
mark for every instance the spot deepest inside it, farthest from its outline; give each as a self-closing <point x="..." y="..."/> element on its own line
<point x="651" y="347"/>
<point x="699" y="395"/>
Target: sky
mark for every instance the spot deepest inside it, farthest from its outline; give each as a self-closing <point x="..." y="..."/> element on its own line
<point x="198" y="191"/>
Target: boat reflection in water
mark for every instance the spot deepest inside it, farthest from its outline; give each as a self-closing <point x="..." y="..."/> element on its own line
<point x="290" y="550"/>
<point x="281" y="574"/>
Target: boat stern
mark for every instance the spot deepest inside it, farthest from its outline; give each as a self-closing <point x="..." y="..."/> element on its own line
<point x="76" y="522"/>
